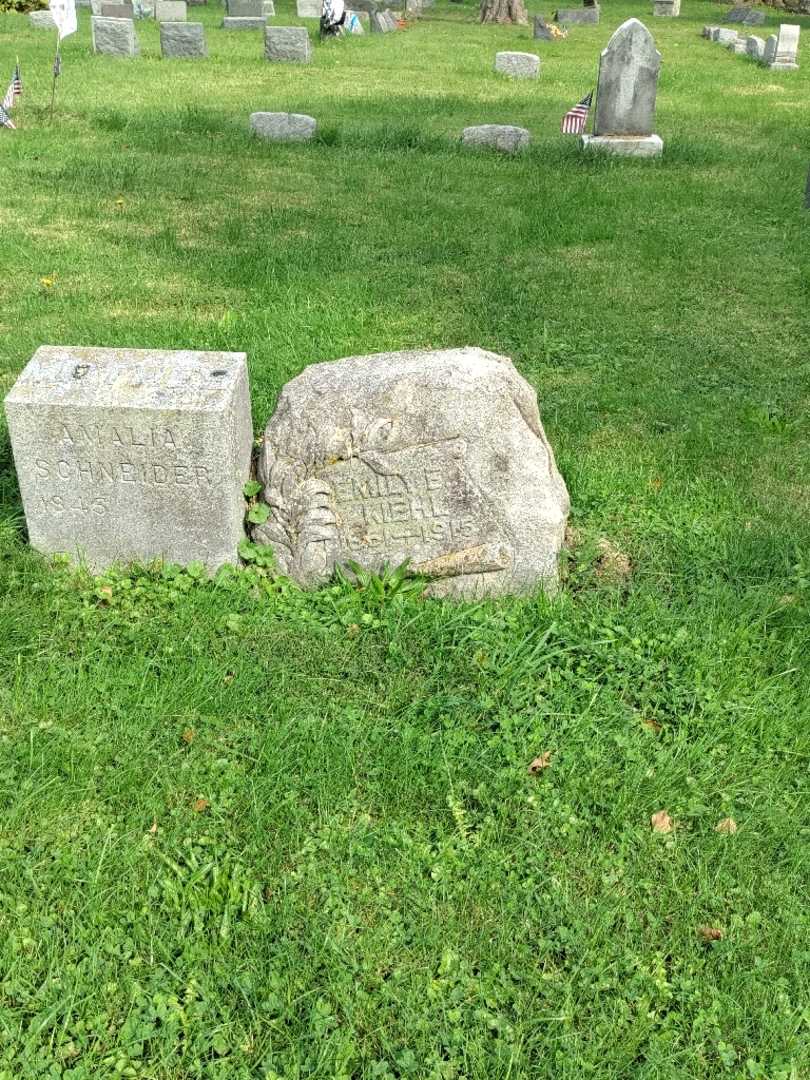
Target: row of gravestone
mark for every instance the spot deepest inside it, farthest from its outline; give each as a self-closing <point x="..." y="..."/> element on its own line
<point x="435" y="458"/>
<point x="779" y="53"/>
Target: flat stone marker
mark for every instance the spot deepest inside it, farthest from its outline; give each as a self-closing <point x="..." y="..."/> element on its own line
<point x="257" y="22"/>
<point x="438" y="458"/>
<point x="282" y="127"/>
<point x="171" y="11"/>
<point x="572" y="16"/>
<point x="787" y="48"/>
<point x="182" y="41"/>
<point x="667" y="8"/>
<point x="118" y="11"/>
<point x="504" y="137"/>
<point x="626" y="90"/>
<point x="308" y="9"/>
<point x="289" y="44"/>
<point x="748" y="16"/>
<point x="41" y="20"/>
<point x="113" y="37"/>
<point x="132" y="454"/>
<point x="517" y="65"/>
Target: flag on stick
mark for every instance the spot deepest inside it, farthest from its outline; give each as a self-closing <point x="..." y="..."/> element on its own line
<point x="57" y="66"/>
<point x="16" y="81"/>
<point x="5" y="119"/>
<point x="574" y="121"/>
<point x="14" y="89"/>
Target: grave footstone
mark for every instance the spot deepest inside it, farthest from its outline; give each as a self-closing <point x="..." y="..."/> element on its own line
<point x="287" y="44"/>
<point x="257" y="22"/>
<point x="435" y="458"/>
<point x="517" y="65"/>
<point x="755" y="46"/>
<point x="748" y="16"/>
<point x="182" y="41"/>
<point x="787" y="48"/>
<point x="504" y="137"/>
<point x="625" y="94"/>
<point x="130" y="454"/>
<point x="572" y="16"/>
<point x="283" y="127"/>
<point x="41" y="20"/>
<point x="113" y="37"/>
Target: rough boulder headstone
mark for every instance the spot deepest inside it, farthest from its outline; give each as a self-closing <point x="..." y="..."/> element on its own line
<point x="182" y="41"/>
<point x="289" y="44"/>
<point x="283" y="127"/>
<point x="625" y="96"/>
<point x="113" y="37"/>
<point x="437" y="458"/>
<point x="504" y="137"/>
<point x="517" y="65"/>
<point x="130" y="454"/>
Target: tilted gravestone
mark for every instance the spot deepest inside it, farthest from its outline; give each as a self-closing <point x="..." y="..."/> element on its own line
<point x="182" y="41"/>
<point x="283" y="127"/>
<point x="626" y="89"/>
<point x="438" y="458"/>
<point x="517" y="65"/>
<point x="131" y="454"/>
<point x="113" y="37"/>
<point x="787" y="49"/>
<point x="748" y="16"/>
<point x="287" y="44"/>
<point x="378" y="23"/>
<point x="171" y="10"/>
<point x="504" y="137"/>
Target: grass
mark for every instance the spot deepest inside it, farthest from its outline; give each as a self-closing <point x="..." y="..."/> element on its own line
<point x="247" y="832"/>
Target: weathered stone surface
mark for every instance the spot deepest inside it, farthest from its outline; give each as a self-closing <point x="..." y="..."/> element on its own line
<point x="118" y="11"/>
<point x="283" y="127"/>
<point x="748" y="16"/>
<point x="130" y="454"/>
<point x="391" y="19"/>
<point x="182" y="41"/>
<point x="625" y="145"/>
<point x="257" y="22"/>
<point x="708" y="31"/>
<point x="542" y="31"/>
<point x="41" y="20"/>
<point x="308" y="9"/>
<point x="378" y="23"/>
<point x="571" y="16"/>
<point x="787" y="48"/>
<point x="667" y="8"/>
<point x="726" y="37"/>
<point x="770" y="50"/>
<point x="113" y="37"/>
<point x="268" y="8"/>
<point x="503" y="137"/>
<point x="438" y="458"/>
<point x="287" y="43"/>
<point x="245" y="9"/>
<point x="738" y="47"/>
<point x="171" y="11"/>
<point x="628" y="82"/>
<point x="755" y="46"/>
<point x="517" y="65"/>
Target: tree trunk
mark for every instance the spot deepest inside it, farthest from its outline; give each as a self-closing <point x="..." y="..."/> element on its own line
<point x="504" y="11"/>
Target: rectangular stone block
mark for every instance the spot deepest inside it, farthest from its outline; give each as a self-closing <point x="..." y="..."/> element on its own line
<point x="287" y="44"/>
<point x="254" y="22"/>
<point x="787" y="47"/>
<point x="118" y="11"/>
<point x="171" y="11"/>
<point x="245" y="9"/>
<point x="308" y="9"/>
<point x="131" y="454"/>
<point x="41" y="20"/>
<point x="113" y="37"/>
<point x="667" y="8"/>
<point x="182" y="41"/>
<point x="572" y="16"/>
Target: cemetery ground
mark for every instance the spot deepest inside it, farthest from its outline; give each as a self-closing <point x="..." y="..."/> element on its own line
<point x="247" y="831"/>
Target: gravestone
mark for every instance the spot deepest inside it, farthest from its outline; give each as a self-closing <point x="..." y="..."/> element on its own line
<point x="748" y="16"/>
<point x="504" y="137"/>
<point x="738" y="47"/>
<point x="438" y="458"/>
<point x="755" y="47"/>
<point x="770" y="50"/>
<point x="571" y="16"/>
<point x="787" y="49"/>
<point x="258" y="22"/>
<point x="287" y="44"/>
<point x="667" y="8"/>
<point x="308" y="9"/>
<point x="542" y="31"/>
<point x="245" y="9"/>
<point x="725" y="37"/>
<point x="118" y="11"/>
<point x="378" y="23"/>
<point x="113" y="37"/>
<point x="268" y="8"/>
<point x="708" y="31"/>
<point x="132" y="454"/>
<point x="391" y="19"/>
<point x="625" y="94"/>
<point x="41" y="20"/>
<point x="517" y="65"/>
<point x="182" y="41"/>
<point x="171" y="11"/>
<point x="282" y="127"/>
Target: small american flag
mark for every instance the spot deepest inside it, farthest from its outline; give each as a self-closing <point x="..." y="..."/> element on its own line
<point x="5" y="119"/>
<point x="57" y="66"/>
<point x="16" y="81"/>
<point x="574" y="121"/>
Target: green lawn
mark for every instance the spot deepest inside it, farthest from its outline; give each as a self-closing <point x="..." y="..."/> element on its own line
<point x="247" y="832"/>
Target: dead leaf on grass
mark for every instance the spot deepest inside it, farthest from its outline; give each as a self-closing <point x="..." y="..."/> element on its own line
<point x="188" y="736"/>
<point x="661" y="822"/>
<point x="651" y="725"/>
<point x="201" y="805"/>
<point x="612" y="562"/>
<point x="710" y="933"/>
<point x="727" y="825"/>
<point x="542" y="761"/>
<point x="153" y="827"/>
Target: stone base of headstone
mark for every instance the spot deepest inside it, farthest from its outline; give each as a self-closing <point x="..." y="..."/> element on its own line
<point x="625" y="145"/>
<point x="182" y="41"/>
<point x="253" y="22"/>
<point x="283" y="127"/>
<point x="113" y="37"/>
<point x="781" y="65"/>
<point x="517" y="65"/>
<point x="504" y="137"/>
